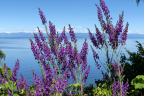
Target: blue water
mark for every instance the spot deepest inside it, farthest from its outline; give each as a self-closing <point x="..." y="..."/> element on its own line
<point x="20" y="48"/>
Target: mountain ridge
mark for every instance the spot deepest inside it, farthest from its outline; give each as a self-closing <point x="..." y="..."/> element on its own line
<point x="78" y="35"/>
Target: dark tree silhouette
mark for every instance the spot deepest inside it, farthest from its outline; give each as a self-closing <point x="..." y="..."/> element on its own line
<point x="137" y="1"/>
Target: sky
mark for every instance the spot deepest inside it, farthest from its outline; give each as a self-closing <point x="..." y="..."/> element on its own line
<point x="23" y="15"/>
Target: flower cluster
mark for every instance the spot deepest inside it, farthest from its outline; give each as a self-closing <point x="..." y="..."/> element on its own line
<point x="43" y="53"/>
<point x="113" y="37"/>
<point x="116" y="86"/>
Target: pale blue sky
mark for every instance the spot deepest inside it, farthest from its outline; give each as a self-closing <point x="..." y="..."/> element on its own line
<point x="23" y="15"/>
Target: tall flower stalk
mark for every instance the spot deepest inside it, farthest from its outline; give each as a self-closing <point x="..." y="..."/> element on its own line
<point x="59" y="80"/>
<point x="113" y="35"/>
<point x="54" y="41"/>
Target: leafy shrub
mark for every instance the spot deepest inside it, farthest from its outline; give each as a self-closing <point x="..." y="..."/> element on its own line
<point x="131" y="70"/>
<point x="102" y="91"/>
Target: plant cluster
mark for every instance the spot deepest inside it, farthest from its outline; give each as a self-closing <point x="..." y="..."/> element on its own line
<point x="55" y="80"/>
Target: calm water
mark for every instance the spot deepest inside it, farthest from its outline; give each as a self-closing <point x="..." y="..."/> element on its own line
<point x="20" y="48"/>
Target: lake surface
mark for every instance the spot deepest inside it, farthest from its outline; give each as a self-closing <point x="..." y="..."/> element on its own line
<point x="20" y="48"/>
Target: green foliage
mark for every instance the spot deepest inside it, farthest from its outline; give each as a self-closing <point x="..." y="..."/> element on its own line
<point x="2" y="72"/>
<point x="135" y="68"/>
<point x="89" y="90"/>
<point x="102" y="90"/>
<point x="138" y="82"/>
<point x="2" y="55"/>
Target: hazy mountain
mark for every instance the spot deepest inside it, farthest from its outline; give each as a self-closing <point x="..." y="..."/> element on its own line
<point x="78" y="35"/>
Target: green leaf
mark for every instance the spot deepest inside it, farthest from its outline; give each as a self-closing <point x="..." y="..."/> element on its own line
<point x="138" y="82"/>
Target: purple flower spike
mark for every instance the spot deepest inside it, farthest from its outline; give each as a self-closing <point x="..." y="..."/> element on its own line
<point x="124" y="34"/>
<point x="100" y="17"/>
<point x="73" y="37"/>
<point x="52" y="36"/>
<point x="41" y="35"/>
<point x="99" y="37"/>
<point x="98" y="65"/>
<point x="47" y="52"/>
<point x="22" y="83"/>
<point x="62" y="53"/>
<point x="73" y="73"/>
<point x="95" y="55"/>
<point x="83" y="55"/>
<point x="9" y="92"/>
<point x="94" y="41"/>
<point x="61" y="37"/>
<point x="42" y="16"/>
<point x="78" y="58"/>
<point x="86" y="74"/>
<point x="59" y="85"/>
<point x="47" y="79"/>
<point x="6" y="72"/>
<point x="39" y="84"/>
<point x="105" y="9"/>
<point x="14" y="73"/>
<point x="119" y="25"/>
<point x="113" y="32"/>
<point x="116" y="88"/>
<point x="37" y="40"/>
<point x="35" y="50"/>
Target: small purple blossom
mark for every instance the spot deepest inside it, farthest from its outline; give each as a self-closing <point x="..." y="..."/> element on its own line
<point x="22" y="83"/>
<point x="14" y="73"/>
<point x="39" y="84"/>
<point x="41" y="35"/>
<point x="73" y="37"/>
<point x="9" y="92"/>
<point x="42" y="16"/>
<point x="86" y="74"/>
<point x="35" y="50"/>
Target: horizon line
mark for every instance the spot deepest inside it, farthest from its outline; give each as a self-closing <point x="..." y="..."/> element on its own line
<point x="58" y="32"/>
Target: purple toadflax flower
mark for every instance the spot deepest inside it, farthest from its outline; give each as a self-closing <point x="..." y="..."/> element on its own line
<point x="35" y="50"/>
<point x="86" y="74"/>
<point x="5" y="79"/>
<point x="112" y="32"/>
<point x="39" y="84"/>
<point x="22" y="83"/>
<point x="9" y="92"/>
<point x="6" y="72"/>
<point x="47" y="79"/>
<point x="73" y="37"/>
<point x="83" y="55"/>
<point x="109" y="29"/>
<point x="42" y="16"/>
<point x="59" y="84"/>
<point x="116" y="86"/>
<point x="14" y="73"/>
<point x="95" y="55"/>
<point x="52" y="37"/>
